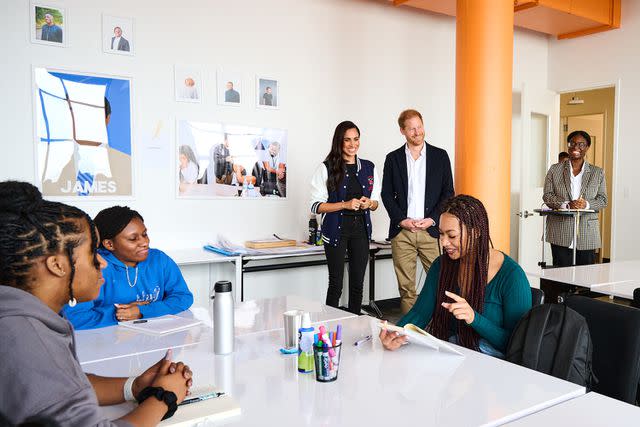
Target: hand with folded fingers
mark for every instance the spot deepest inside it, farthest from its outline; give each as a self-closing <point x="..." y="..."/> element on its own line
<point x="460" y="308"/>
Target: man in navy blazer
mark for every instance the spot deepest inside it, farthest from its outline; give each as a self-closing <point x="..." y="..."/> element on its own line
<point x="50" y="31"/>
<point x="416" y="180"/>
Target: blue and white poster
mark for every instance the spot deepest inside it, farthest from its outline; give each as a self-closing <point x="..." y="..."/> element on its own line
<point x="83" y="134"/>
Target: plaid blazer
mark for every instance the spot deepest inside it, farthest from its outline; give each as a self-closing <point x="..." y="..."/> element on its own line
<point x="557" y="190"/>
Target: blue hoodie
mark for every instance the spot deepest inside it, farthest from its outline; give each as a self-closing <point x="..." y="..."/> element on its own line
<point x="159" y="281"/>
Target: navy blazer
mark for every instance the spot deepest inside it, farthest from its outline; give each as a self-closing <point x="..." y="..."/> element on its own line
<point x="439" y="187"/>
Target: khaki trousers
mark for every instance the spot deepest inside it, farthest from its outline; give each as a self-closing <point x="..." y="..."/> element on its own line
<point x="405" y="248"/>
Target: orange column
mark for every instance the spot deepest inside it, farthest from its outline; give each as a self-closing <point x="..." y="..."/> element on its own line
<point x="484" y="67"/>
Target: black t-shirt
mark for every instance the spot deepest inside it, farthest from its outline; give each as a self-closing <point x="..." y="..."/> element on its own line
<point x="354" y="189"/>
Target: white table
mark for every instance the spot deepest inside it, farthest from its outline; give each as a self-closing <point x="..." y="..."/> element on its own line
<point x="412" y="386"/>
<point x="614" y="278"/>
<point x="250" y="317"/>
<point x="588" y="276"/>
<point x="590" y="410"/>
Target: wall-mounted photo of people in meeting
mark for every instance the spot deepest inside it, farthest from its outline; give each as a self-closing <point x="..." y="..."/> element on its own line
<point x="221" y="160"/>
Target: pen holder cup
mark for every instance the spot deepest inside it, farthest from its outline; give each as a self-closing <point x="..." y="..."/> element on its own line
<point x="327" y="361"/>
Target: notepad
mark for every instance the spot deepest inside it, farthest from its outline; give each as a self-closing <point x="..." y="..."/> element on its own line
<point x="419" y="336"/>
<point x="211" y="410"/>
<point x="161" y="325"/>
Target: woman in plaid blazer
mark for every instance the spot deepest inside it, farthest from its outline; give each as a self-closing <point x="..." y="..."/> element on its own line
<point x="574" y="184"/>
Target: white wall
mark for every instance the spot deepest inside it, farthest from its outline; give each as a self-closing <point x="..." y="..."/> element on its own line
<point x="602" y="60"/>
<point x="359" y="60"/>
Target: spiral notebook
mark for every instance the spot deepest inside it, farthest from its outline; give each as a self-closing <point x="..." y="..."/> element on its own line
<point x="161" y="325"/>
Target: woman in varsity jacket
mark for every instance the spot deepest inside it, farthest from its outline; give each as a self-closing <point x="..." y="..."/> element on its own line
<point x="344" y="190"/>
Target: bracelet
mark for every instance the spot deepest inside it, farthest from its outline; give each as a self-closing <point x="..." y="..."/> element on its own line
<point x="168" y="397"/>
<point x="128" y="389"/>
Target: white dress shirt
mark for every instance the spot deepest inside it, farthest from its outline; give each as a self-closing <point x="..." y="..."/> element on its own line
<point x="115" y="43"/>
<point x="417" y="181"/>
<point x="576" y="186"/>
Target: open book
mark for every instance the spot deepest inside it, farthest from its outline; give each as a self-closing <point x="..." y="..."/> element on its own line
<point x="419" y="336"/>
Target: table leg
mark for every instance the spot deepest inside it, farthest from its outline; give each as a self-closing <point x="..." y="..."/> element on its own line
<point x="239" y="276"/>
<point x="575" y="236"/>
<point x="372" y="282"/>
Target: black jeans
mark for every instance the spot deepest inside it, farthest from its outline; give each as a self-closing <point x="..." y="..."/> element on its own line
<point x="354" y="242"/>
<point x="563" y="257"/>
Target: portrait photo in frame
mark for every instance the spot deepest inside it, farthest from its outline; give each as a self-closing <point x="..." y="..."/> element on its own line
<point x="267" y="93"/>
<point x="230" y="90"/>
<point x="48" y="24"/>
<point x="118" y="35"/>
<point x="188" y="83"/>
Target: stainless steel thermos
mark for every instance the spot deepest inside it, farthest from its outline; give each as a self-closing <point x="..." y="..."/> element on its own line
<point x="223" y="333"/>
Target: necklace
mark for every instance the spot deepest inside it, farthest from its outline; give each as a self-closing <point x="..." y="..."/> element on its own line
<point x="135" y="279"/>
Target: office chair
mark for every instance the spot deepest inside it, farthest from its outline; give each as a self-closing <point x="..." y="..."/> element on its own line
<point x="537" y="297"/>
<point x="636" y="298"/>
<point x="615" y="333"/>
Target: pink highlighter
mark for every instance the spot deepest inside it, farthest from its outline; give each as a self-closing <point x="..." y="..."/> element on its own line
<point x="324" y="337"/>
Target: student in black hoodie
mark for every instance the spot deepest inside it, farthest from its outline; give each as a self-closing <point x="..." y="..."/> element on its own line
<point x="48" y="258"/>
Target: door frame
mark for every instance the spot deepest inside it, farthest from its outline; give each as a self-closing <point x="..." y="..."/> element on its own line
<point x="617" y="84"/>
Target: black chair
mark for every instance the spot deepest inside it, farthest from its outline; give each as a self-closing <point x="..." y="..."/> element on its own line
<point x="615" y="333"/>
<point x="636" y="298"/>
<point x="537" y="297"/>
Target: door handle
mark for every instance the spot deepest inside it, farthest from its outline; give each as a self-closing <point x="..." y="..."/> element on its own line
<point x="525" y="214"/>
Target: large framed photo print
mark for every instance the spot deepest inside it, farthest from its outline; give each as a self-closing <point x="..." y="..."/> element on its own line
<point x="82" y="134"/>
<point x="225" y="160"/>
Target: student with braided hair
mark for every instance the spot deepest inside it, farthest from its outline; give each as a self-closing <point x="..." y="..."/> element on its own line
<point x="473" y="295"/>
<point x="48" y="257"/>
<point x="140" y="282"/>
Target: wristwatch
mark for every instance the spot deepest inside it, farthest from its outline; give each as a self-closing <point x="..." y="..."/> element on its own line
<point x="168" y="397"/>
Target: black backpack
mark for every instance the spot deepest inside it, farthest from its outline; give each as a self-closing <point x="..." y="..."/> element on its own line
<point x="554" y="339"/>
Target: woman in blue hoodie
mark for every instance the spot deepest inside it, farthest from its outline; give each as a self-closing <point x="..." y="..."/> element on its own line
<point x="139" y="282"/>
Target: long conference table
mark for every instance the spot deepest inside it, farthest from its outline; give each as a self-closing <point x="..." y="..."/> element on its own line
<point x="375" y="387"/>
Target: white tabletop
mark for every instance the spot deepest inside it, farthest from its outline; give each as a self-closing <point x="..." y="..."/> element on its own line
<point x="411" y="386"/>
<point x="621" y="289"/>
<point x="592" y="275"/>
<point x="250" y="317"/>
<point x="198" y="256"/>
<point x="590" y="410"/>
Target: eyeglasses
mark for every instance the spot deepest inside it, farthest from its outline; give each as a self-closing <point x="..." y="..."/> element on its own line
<point x="581" y="145"/>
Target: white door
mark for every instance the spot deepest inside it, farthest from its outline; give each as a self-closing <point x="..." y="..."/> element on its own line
<point x="540" y="115"/>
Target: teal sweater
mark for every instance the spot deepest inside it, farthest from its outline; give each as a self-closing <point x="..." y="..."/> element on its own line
<point x="507" y="298"/>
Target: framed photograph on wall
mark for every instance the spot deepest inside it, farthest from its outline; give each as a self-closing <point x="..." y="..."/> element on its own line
<point x="117" y="35"/>
<point x="48" y="24"/>
<point x="219" y="160"/>
<point x="188" y="83"/>
<point x="267" y="93"/>
<point x="82" y="134"/>
<point x="230" y="88"/>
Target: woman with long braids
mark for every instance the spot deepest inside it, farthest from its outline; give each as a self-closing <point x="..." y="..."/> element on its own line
<point x="345" y="189"/>
<point x="48" y="258"/>
<point x="473" y="295"/>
